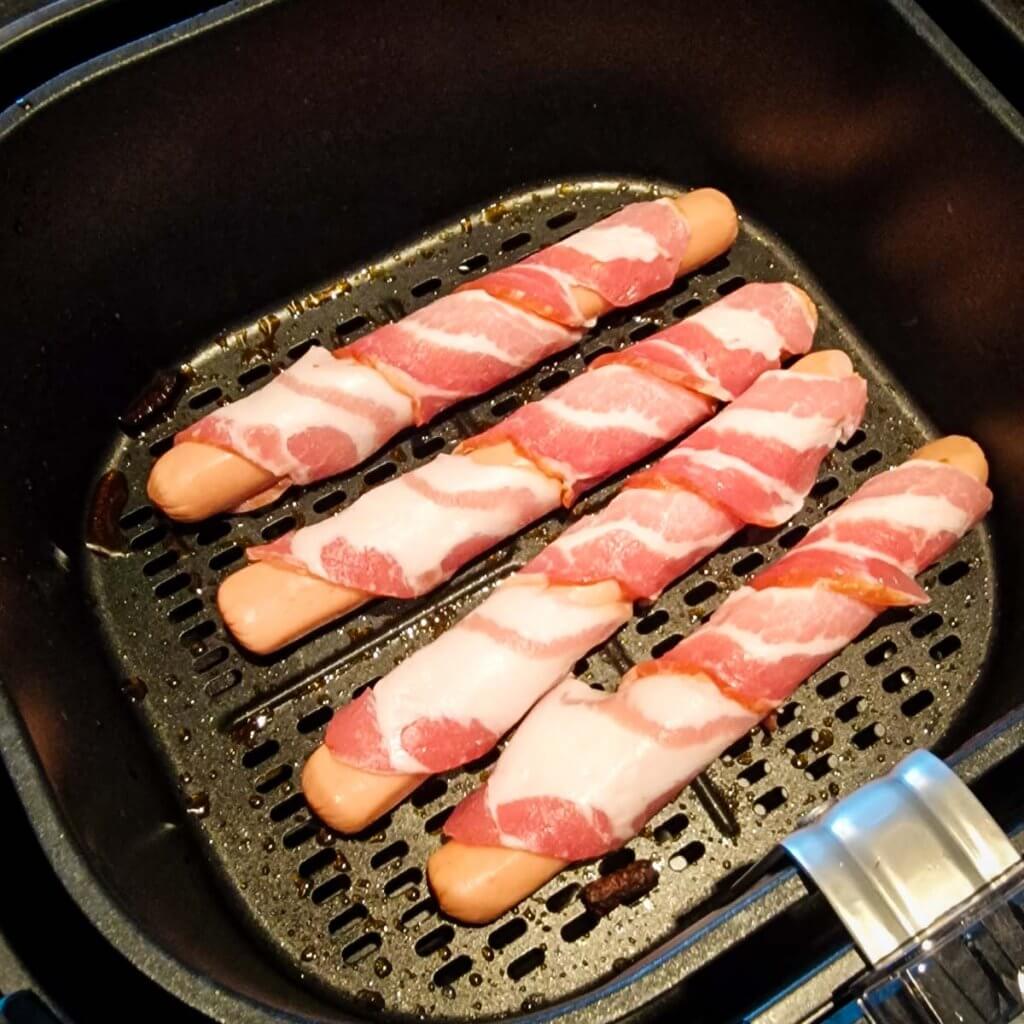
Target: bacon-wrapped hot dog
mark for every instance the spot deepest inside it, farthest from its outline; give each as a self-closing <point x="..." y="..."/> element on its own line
<point x="586" y="771"/>
<point x="411" y="533"/>
<point x="451" y="701"/>
<point x="325" y="415"/>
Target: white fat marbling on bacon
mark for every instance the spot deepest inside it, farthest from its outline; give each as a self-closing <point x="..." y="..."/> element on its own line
<point x="459" y="342"/>
<point x="758" y="457"/>
<point x="319" y="417"/>
<point x="744" y="329"/>
<point x="624" y="258"/>
<point x="486" y="672"/>
<point x="458" y="346"/>
<point x="929" y="513"/>
<point x="787" y="500"/>
<point x="721" y="349"/>
<point x="873" y="545"/>
<point x="597" y="424"/>
<point x="635" y="420"/>
<point x="757" y="648"/>
<point x="622" y="242"/>
<point x="405" y="536"/>
<point x="644" y="539"/>
<point x="649" y="538"/>
<point x="800" y="433"/>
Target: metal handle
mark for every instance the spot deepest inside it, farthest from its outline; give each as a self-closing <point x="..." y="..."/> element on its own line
<point x="931" y="891"/>
<point x="898" y="854"/>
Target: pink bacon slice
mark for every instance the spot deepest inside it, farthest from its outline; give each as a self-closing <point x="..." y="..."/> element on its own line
<point x="320" y="417"/>
<point x="596" y="424"/>
<point x="720" y="349"/>
<point x="477" y="683"/>
<point x="869" y="550"/>
<point x="404" y="537"/>
<point x="415" y="720"/>
<point x="633" y="751"/>
<point x="643" y="539"/>
<point x="623" y="258"/>
<point x="409" y="534"/>
<point x="767" y="484"/>
<point x="460" y="345"/>
<point x="661" y="524"/>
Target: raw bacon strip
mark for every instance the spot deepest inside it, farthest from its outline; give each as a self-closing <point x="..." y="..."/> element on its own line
<point x="586" y="770"/>
<point x="404" y="537"/>
<point x="597" y="423"/>
<point x="872" y="546"/>
<point x="764" y="483"/>
<point x="720" y="349"/>
<point x="458" y="695"/>
<point x="633" y="751"/>
<point x="426" y="715"/>
<point x="761" y="643"/>
<point x="658" y="528"/>
<point x="401" y="539"/>
<point x="570" y="434"/>
<point x="624" y="258"/>
<point x="643" y="539"/>
<point x="458" y="346"/>
<point x="318" y="418"/>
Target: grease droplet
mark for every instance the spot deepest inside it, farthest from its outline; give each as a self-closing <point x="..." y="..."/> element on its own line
<point x="198" y="804"/>
<point x="135" y="690"/>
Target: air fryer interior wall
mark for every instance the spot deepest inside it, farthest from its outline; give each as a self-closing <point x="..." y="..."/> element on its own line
<point x="191" y="190"/>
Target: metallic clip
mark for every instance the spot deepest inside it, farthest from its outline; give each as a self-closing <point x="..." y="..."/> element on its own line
<point x="900" y="853"/>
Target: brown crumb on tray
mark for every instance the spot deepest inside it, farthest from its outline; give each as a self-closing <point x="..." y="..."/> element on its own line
<point x="629" y="883"/>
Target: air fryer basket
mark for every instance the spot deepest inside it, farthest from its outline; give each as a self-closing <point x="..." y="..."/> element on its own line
<point x="353" y="915"/>
<point x="213" y="180"/>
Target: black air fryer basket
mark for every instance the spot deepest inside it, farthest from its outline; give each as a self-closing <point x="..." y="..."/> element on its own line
<point x="187" y="216"/>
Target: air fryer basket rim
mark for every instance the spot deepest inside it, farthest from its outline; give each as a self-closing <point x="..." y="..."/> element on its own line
<point x="628" y="993"/>
<point x="631" y="991"/>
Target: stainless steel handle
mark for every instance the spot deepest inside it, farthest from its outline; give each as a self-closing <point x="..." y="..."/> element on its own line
<point x="932" y="892"/>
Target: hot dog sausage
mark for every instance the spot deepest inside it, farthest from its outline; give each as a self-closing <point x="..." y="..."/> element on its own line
<point x="195" y="480"/>
<point x="350" y="798"/>
<point x="477" y="884"/>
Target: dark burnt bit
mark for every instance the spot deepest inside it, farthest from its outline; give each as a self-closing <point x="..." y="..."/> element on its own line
<point x="158" y="400"/>
<point x="627" y="884"/>
<point x="102" y="531"/>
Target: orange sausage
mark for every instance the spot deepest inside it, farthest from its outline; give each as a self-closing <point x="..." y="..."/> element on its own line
<point x="477" y="884"/>
<point x="267" y="606"/>
<point x="194" y="480"/>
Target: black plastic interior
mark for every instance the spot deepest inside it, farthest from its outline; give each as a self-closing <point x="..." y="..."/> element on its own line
<point x="182" y="193"/>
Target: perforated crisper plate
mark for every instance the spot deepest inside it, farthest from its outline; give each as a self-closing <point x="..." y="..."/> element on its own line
<point x="354" y="916"/>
